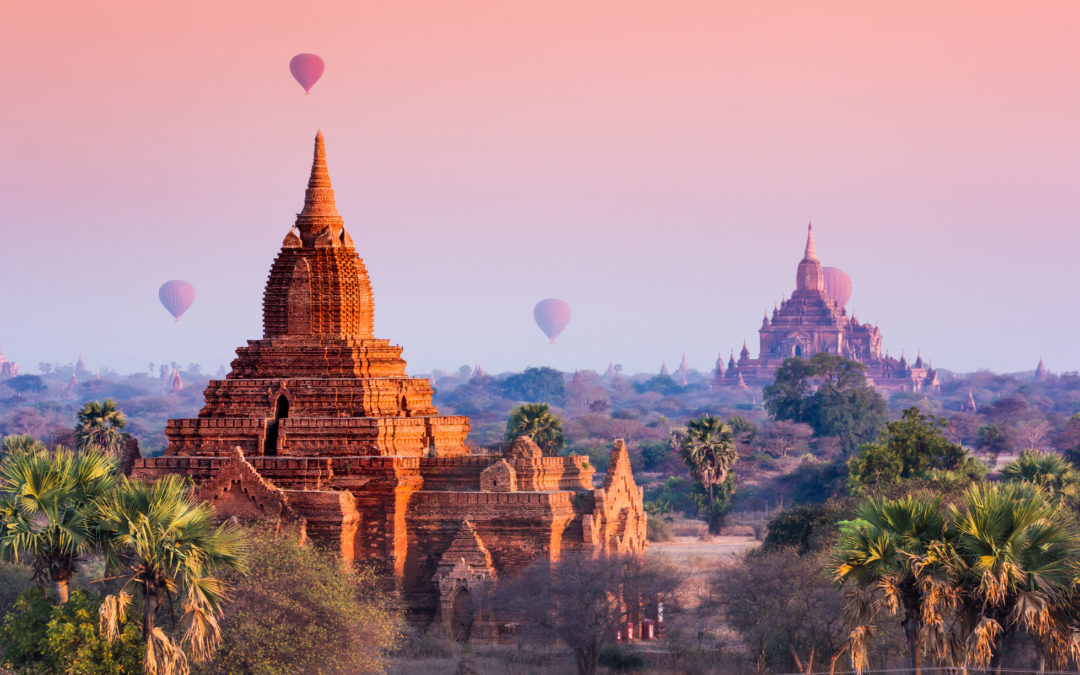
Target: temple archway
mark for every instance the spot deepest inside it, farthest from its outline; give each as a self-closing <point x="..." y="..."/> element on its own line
<point x="461" y="615"/>
<point x="281" y="411"/>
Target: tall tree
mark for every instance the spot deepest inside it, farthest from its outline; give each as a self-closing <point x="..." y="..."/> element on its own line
<point x="48" y="509"/>
<point x="163" y="545"/>
<point x="536" y="421"/>
<point x="708" y="449"/>
<point x="830" y="394"/>
<point x="883" y="560"/>
<point x="1019" y="555"/>
<point x="101" y="423"/>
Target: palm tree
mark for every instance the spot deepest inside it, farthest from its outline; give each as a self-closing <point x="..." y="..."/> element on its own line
<point x="101" y="423"/>
<point x="889" y="561"/>
<point x="22" y="443"/>
<point x="163" y="545"/>
<point x="536" y="421"/>
<point x="47" y="509"/>
<point x="1050" y="472"/>
<point x="708" y="448"/>
<point x="1020" y="557"/>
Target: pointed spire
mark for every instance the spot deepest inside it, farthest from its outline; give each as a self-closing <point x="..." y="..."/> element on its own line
<point x="811" y="252"/>
<point x="320" y="209"/>
<point x="684" y="367"/>
<point x="1041" y="373"/>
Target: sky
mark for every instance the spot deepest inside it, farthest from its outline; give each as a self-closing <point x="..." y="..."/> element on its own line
<point x="654" y="164"/>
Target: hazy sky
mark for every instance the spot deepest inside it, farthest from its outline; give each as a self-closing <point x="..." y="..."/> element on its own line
<point x="652" y="163"/>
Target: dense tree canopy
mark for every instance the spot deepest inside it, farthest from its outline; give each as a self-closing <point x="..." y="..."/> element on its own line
<point x="535" y="385"/>
<point x="26" y="384"/>
<point x="912" y="447"/>
<point x="966" y="580"/>
<point x="830" y="394"/>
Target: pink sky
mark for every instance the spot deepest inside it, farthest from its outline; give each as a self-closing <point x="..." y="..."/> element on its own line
<point x="654" y="164"/>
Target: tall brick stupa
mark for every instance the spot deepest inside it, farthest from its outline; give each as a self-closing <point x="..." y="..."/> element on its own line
<point x="317" y="423"/>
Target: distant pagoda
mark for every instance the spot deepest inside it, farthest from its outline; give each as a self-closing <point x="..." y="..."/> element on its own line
<point x="809" y="322"/>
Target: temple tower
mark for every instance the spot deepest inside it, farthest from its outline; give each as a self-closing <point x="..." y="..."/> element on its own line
<point x="318" y="382"/>
<point x="317" y="424"/>
<point x="809" y="276"/>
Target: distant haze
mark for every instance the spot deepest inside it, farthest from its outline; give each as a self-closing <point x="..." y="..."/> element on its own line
<point x="654" y="164"/>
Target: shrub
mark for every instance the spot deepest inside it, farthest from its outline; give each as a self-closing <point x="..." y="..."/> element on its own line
<point x="297" y="610"/>
<point x="653" y="453"/>
<point x="657" y="529"/>
<point x="44" y="637"/>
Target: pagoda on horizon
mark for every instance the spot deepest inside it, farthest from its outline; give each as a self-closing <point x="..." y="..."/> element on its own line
<point x="809" y="322"/>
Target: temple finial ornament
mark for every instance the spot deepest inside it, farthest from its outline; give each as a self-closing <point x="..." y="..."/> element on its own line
<point x="811" y="252"/>
<point x="320" y="208"/>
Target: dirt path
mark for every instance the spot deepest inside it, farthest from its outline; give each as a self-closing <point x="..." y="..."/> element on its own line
<point x="695" y="553"/>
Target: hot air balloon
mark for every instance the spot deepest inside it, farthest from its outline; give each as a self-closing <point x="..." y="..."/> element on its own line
<point x="552" y="315"/>
<point x="307" y="69"/>
<point x="837" y="285"/>
<point x="177" y="295"/>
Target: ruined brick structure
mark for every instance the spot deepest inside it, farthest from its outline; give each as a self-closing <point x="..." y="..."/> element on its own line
<point x="318" y="423"/>
<point x="809" y="322"/>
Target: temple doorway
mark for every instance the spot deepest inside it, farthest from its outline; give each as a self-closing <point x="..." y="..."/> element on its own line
<point x="461" y="615"/>
<point x="281" y="411"/>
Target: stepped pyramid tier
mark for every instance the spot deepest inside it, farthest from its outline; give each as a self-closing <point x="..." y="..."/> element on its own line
<point x="809" y="322"/>
<point x="318" y="381"/>
<point x="318" y="424"/>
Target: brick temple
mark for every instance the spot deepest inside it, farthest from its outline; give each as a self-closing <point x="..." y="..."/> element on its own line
<point x="810" y="321"/>
<point x="317" y="423"/>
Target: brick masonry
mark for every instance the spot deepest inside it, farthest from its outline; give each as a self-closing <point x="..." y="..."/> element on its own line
<point x="317" y="424"/>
